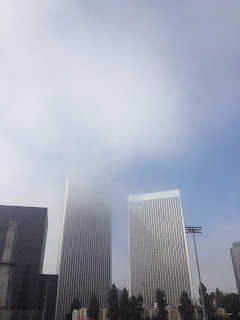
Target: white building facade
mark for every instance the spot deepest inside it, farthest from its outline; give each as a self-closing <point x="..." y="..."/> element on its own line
<point x="85" y="251"/>
<point x="158" y="251"/>
<point x="235" y="254"/>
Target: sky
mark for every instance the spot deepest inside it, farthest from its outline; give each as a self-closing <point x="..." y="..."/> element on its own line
<point x="133" y="97"/>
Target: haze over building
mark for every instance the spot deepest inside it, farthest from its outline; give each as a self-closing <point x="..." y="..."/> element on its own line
<point x="235" y="254"/>
<point x="158" y="251"/>
<point x="85" y="250"/>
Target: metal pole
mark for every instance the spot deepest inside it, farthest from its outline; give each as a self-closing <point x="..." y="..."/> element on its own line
<point x="19" y="317"/>
<point x="200" y="282"/>
<point x="45" y="301"/>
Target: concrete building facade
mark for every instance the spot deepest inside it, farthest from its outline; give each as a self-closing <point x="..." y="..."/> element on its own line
<point x="6" y="265"/>
<point x="173" y="314"/>
<point x="158" y="251"/>
<point x="85" y="250"/>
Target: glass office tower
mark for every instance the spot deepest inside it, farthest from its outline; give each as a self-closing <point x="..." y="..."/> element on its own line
<point x="158" y="252"/>
<point x="85" y="251"/>
<point x="235" y="254"/>
<point x="28" y="254"/>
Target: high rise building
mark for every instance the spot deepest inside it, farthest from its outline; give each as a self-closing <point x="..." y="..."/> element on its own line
<point x="158" y="251"/>
<point x="27" y="253"/>
<point x="235" y="254"/>
<point x="85" y="251"/>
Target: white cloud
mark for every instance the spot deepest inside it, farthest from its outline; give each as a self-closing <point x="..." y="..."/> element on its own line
<point x="86" y="88"/>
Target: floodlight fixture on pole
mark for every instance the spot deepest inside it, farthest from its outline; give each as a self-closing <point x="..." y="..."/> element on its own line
<point x="194" y="230"/>
<point x="3" y="227"/>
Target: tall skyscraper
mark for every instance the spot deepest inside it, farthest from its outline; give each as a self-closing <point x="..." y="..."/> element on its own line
<point x="158" y="252"/>
<point x="85" y="251"/>
<point x="27" y="253"/>
<point x="235" y="254"/>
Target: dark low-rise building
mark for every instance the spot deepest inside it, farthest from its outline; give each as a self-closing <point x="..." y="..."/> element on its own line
<point x="28" y="254"/>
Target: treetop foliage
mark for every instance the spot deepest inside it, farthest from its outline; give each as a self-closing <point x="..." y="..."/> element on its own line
<point x="76" y="305"/>
<point x="135" y="307"/>
<point x="210" y="310"/>
<point x="127" y="308"/>
<point x="231" y="303"/>
<point x="124" y="305"/>
<point x="93" y="308"/>
<point x="185" y="306"/>
<point x="161" y="300"/>
<point x="113" y="303"/>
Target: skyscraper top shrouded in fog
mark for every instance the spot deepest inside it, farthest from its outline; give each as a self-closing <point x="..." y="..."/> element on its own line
<point x="235" y="254"/>
<point x="158" y="252"/>
<point x="85" y="250"/>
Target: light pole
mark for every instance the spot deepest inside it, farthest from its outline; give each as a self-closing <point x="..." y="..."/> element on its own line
<point x="19" y="316"/>
<point x="47" y="284"/>
<point x="194" y="230"/>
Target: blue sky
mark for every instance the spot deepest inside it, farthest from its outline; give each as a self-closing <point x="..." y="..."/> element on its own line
<point x="134" y="97"/>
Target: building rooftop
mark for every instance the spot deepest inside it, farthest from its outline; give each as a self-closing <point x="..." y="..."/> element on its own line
<point x="154" y="195"/>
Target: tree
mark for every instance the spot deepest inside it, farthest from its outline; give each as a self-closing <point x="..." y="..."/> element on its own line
<point x="185" y="306"/>
<point x="219" y="298"/>
<point x="210" y="310"/>
<point x="160" y="297"/>
<point x="112" y="303"/>
<point x="213" y="298"/>
<point x="68" y="316"/>
<point x="76" y="305"/>
<point x="93" y="308"/>
<point x="135" y="307"/>
<point x="231" y="303"/>
<point x="124" y="305"/>
<point x="139" y="305"/>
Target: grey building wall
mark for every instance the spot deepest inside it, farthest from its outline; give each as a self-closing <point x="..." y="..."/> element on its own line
<point x="28" y="254"/>
<point x="235" y="254"/>
<point x="158" y="252"/>
<point x="85" y="251"/>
